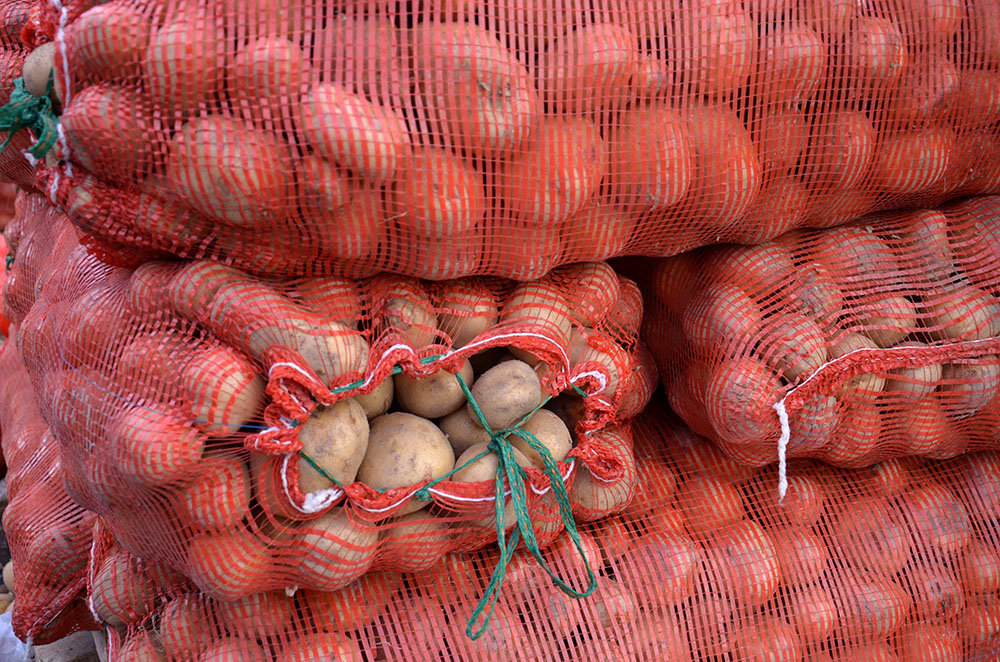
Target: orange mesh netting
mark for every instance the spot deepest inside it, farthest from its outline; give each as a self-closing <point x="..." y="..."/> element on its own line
<point x="896" y="562"/>
<point x="852" y="345"/>
<point x="257" y="435"/>
<point x="443" y="139"/>
<point x="49" y="535"/>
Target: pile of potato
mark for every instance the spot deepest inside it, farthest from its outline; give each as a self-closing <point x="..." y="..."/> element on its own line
<point x="896" y="561"/>
<point x="487" y="139"/>
<point x="181" y="393"/>
<point x="881" y="338"/>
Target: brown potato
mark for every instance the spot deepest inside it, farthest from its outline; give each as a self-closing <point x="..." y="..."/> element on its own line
<point x="8" y="576"/>
<point x="331" y="349"/>
<point x="888" y="320"/>
<point x="415" y="542"/>
<point x="966" y="314"/>
<point x="968" y="386"/>
<point x="434" y="396"/>
<point x="463" y="430"/>
<point x="914" y="382"/>
<point x="336" y="438"/>
<point x="404" y="449"/>
<point x="867" y="384"/>
<point x="541" y="305"/>
<point x="333" y="550"/>
<point x="38" y="67"/>
<point x="378" y="401"/>
<point x="466" y="310"/>
<point x="407" y="310"/>
<point x="505" y="394"/>
<point x="550" y="431"/>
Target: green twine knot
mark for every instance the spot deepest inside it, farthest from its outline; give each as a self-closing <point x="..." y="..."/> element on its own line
<point x="9" y="261"/>
<point x="26" y="111"/>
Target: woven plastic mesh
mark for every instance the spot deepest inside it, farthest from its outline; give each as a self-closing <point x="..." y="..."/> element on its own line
<point x="896" y="562"/>
<point x="49" y="535"/>
<point x="232" y="428"/>
<point x="878" y="339"/>
<point x="460" y="138"/>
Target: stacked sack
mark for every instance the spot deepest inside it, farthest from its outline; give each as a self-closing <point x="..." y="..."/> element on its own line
<point x="482" y="138"/>
<point x="259" y="435"/>
<point x="874" y="340"/>
<point x="898" y="561"/>
<point x="49" y="535"/>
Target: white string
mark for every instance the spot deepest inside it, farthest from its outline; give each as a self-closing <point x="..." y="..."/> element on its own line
<point x="779" y="406"/>
<point x="62" y="51"/>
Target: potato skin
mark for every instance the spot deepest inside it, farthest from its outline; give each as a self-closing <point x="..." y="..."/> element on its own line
<point x="336" y="438"/>
<point x="403" y="450"/>
<point x="434" y="396"/>
<point x="506" y="393"/>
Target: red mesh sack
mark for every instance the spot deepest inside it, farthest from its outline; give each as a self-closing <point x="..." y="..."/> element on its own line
<point x="219" y="423"/>
<point x="852" y="345"/>
<point x="440" y="140"/>
<point x="896" y="562"/>
<point x="49" y="535"/>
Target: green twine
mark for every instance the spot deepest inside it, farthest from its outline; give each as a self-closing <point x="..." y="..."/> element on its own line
<point x="26" y="111"/>
<point x="9" y="261"/>
<point x="508" y="468"/>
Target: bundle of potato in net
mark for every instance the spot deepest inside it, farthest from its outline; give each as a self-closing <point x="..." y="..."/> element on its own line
<point x="895" y="562"/>
<point x="49" y="535"/>
<point x="260" y="435"/>
<point x="855" y="344"/>
<point x="442" y="139"/>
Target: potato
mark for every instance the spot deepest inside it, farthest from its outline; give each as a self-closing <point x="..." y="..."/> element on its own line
<point x="228" y="565"/>
<point x="541" y="305"/>
<point x="39" y="69"/>
<point x="434" y="396"/>
<point x="266" y="80"/>
<point x="355" y="208"/>
<point x="887" y="319"/>
<point x="505" y="394"/>
<point x="321" y="646"/>
<point x="219" y="495"/>
<point x="717" y="40"/>
<point x="224" y="388"/>
<point x="378" y="401"/>
<point x="616" y="363"/>
<point x="232" y="649"/>
<point x="594" y="498"/>
<point x="550" y="431"/>
<point x="969" y="385"/>
<point x="361" y="52"/>
<point x="8" y="576"/>
<point x="185" y="64"/>
<point x="928" y="90"/>
<point x="740" y="397"/>
<point x="333" y="299"/>
<point x="336" y="438"/>
<point x="405" y="307"/>
<point x="913" y="161"/>
<point x="555" y="173"/>
<point x="231" y="171"/>
<point x="979" y="90"/>
<point x="841" y="150"/>
<point x="876" y="53"/>
<point x="792" y="63"/>
<point x="589" y="69"/>
<point x="108" y="132"/>
<point x="466" y="310"/>
<point x="143" y="646"/>
<point x="121" y="592"/>
<point x="925" y="240"/>
<point x="415" y="542"/>
<point x="651" y="161"/>
<point x="332" y="350"/>
<point x="727" y="171"/>
<point x="107" y="42"/>
<point x="155" y="447"/>
<point x="485" y="468"/>
<point x="333" y="550"/>
<point x="867" y="385"/>
<point x="474" y="92"/>
<point x="782" y="137"/>
<point x="258" y="615"/>
<point x="404" y="450"/>
<point x="440" y="195"/>
<point x="463" y="430"/>
<point x="654" y="78"/>
<point x="961" y="314"/>
<point x="368" y="139"/>
<point x="721" y="312"/>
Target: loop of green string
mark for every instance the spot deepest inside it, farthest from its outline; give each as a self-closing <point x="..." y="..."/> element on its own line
<point x="26" y="111"/>
<point x="9" y="261"/>
<point x="509" y="469"/>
